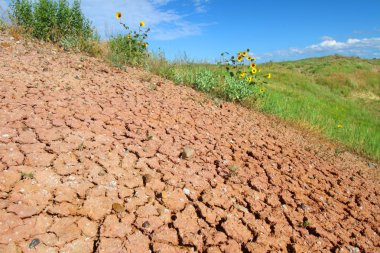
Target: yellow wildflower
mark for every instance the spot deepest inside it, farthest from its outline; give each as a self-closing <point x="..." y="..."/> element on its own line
<point x="244" y="53"/>
<point x="262" y="90"/>
<point x="253" y="59"/>
<point x="249" y="58"/>
<point x="142" y="24"/>
<point x="118" y="15"/>
<point x="254" y="70"/>
<point x="242" y="75"/>
<point x="239" y="58"/>
<point x="145" y="44"/>
<point x="269" y="75"/>
<point x="249" y="79"/>
<point x="139" y="43"/>
<point x="252" y="65"/>
<point x="339" y="126"/>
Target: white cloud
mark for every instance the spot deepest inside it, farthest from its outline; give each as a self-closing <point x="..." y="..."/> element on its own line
<point x="365" y="47"/>
<point x="200" y="5"/>
<point x="165" y="24"/>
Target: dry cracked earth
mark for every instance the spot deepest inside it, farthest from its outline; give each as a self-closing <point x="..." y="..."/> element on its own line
<point x="96" y="159"/>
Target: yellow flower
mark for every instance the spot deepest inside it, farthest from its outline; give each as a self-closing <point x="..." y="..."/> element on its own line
<point x="239" y="58"/>
<point x="252" y="65"/>
<point x="249" y="79"/>
<point x="239" y="54"/>
<point x="249" y="58"/>
<point x="242" y="75"/>
<point x="244" y="54"/>
<point x="268" y="75"/>
<point x="139" y="43"/>
<point x="254" y="70"/>
<point x="339" y="126"/>
<point x="253" y="59"/>
<point x="262" y="90"/>
<point x="142" y="24"/>
<point x="129" y="36"/>
<point x="118" y="15"/>
<point x="145" y="44"/>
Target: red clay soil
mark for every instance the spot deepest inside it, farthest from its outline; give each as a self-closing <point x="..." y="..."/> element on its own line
<point x="96" y="159"/>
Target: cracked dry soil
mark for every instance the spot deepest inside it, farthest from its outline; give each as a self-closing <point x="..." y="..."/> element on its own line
<point x="91" y="160"/>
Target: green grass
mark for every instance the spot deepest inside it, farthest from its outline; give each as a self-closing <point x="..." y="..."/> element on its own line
<point x="316" y="93"/>
<point x="327" y="92"/>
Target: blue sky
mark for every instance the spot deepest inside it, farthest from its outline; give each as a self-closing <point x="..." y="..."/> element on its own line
<point x="272" y="29"/>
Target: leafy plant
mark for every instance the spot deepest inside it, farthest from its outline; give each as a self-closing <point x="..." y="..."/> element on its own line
<point x="130" y="48"/>
<point x="237" y="90"/>
<point x="204" y="80"/>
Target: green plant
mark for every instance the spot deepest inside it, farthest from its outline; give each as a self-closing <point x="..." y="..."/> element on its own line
<point x="204" y="80"/>
<point x="237" y="90"/>
<point x="56" y="21"/>
<point x="130" y="48"/>
<point x="22" y="13"/>
<point x="242" y="74"/>
<point x="243" y="66"/>
<point x="305" y="223"/>
<point x="25" y="175"/>
<point x="233" y="170"/>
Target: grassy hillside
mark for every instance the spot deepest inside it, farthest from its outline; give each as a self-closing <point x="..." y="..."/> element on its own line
<point x="337" y="96"/>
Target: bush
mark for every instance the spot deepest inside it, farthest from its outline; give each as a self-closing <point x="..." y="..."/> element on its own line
<point x="237" y="89"/>
<point x="205" y="80"/>
<point x="56" y="21"/>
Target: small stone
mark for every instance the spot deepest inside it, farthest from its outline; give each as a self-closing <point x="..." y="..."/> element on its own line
<point x="186" y="191"/>
<point x="353" y="249"/>
<point x="371" y="165"/>
<point x="118" y="208"/>
<point x="34" y="243"/>
<point x="146" y="224"/>
<point x="187" y="153"/>
<point x="147" y="179"/>
<point x="241" y="208"/>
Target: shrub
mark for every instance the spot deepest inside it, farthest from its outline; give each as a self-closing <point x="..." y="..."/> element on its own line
<point x="130" y="48"/>
<point x="205" y="80"/>
<point x="243" y="77"/>
<point x="237" y="90"/>
<point x="56" y="21"/>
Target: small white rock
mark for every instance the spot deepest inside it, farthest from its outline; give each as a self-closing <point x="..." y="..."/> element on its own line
<point x="186" y="191"/>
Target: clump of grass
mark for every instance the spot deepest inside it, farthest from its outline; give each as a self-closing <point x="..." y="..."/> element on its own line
<point x="26" y="175"/>
<point x="130" y="48"/>
<point x="233" y="169"/>
<point x="55" y="21"/>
